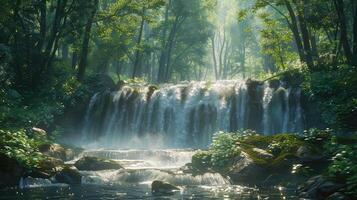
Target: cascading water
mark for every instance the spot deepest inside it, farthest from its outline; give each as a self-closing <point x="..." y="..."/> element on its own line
<point x="188" y="114"/>
<point x="151" y="121"/>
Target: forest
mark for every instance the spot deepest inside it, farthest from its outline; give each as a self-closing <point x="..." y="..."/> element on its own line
<point x="200" y="99"/>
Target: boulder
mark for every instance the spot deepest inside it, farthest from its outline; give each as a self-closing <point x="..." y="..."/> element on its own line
<point x="305" y="154"/>
<point x="46" y="168"/>
<point x="88" y="163"/>
<point x="245" y="170"/>
<point x="274" y="83"/>
<point x="39" y="132"/>
<point x="72" y="153"/>
<point x="163" y="187"/>
<point x="10" y="171"/>
<point x="57" y="151"/>
<point x="262" y="154"/>
<point x="318" y="187"/>
<point x="69" y="175"/>
<point x="53" y="150"/>
<point x="120" y="84"/>
<point x="29" y="182"/>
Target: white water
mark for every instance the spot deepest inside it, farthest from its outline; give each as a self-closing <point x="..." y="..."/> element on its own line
<point x="145" y="166"/>
<point x="188" y="114"/>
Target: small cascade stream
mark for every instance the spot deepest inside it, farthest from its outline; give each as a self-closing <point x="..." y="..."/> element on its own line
<point x="186" y="115"/>
<point x="153" y="133"/>
<point x="141" y="168"/>
<point x="145" y="166"/>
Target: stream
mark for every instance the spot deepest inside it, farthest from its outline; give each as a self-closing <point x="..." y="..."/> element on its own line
<point x="134" y="182"/>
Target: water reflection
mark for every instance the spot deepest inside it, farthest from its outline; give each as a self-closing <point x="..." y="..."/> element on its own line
<point x="135" y="191"/>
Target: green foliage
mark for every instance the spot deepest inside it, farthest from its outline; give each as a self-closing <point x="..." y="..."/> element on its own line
<point x="344" y="167"/>
<point x="39" y="107"/>
<point x="335" y="91"/>
<point x="202" y="160"/>
<point x="227" y="147"/>
<point x="275" y="42"/>
<point x="18" y="145"/>
<point x="284" y="143"/>
<point x="223" y="149"/>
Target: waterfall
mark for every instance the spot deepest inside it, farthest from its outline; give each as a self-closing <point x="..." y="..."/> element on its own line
<point x="188" y="114"/>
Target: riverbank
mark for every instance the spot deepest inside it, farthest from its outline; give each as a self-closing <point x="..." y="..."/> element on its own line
<point x="321" y="163"/>
<point x="312" y="165"/>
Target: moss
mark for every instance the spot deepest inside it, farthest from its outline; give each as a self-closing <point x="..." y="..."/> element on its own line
<point x="207" y="86"/>
<point x="259" y="141"/>
<point x="254" y="155"/>
<point x="152" y="89"/>
<point x="280" y="160"/>
<point x="202" y="160"/>
<point x="227" y="148"/>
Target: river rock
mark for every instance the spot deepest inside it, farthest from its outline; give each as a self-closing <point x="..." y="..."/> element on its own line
<point x="69" y="175"/>
<point x="305" y="154"/>
<point x="88" y="163"/>
<point x="246" y="171"/>
<point x="318" y="187"/>
<point x="10" y="171"/>
<point x="262" y="153"/>
<point x="46" y="168"/>
<point x="163" y="187"/>
<point x="39" y="132"/>
<point x="29" y="182"/>
<point x="72" y="153"/>
<point x="53" y="150"/>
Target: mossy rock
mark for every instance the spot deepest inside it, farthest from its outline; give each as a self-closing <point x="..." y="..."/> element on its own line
<point x="152" y="89"/>
<point x="274" y="83"/>
<point x="88" y="163"/>
<point x="319" y="187"/>
<point x="69" y="175"/>
<point x="163" y="187"/>
<point x="201" y="161"/>
<point x="120" y="84"/>
<point x="53" y="150"/>
<point x="247" y="171"/>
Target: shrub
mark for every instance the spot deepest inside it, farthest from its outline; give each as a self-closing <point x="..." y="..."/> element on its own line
<point x="223" y="149"/>
<point x="18" y="145"/>
<point x="344" y="167"/>
<point x="202" y="160"/>
<point x="335" y="90"/>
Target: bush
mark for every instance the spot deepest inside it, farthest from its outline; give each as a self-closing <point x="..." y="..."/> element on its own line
<point x="344" y="167"/>
<point x="202" y="160"/>
<point x="18" y="145"/>
<point x="335" y="91"/>
<point x="223" y="149"/>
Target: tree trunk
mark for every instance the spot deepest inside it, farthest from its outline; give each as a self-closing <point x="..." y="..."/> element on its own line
<point x="74" y="59"/>
<point x="355" y="35"/>
<point x="163" y="45"/>
<point x="65" y="51"/>
<point x="43" y="24"/>
<point x="214" y="58"/>
<point x="305" y="33"/>
<point x="85" y="45"/>
<point x="172" y="35"/>
<point x="294" y="28"/>
<point x="51" y="44"/>
<point x="339" y="5"/>
<point x="136" y="70"/>
<point x="220" y="69"/>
